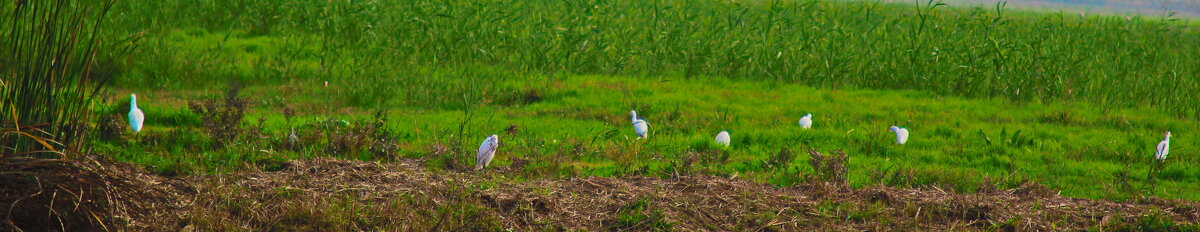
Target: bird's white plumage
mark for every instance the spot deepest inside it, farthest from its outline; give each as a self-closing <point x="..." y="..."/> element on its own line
<point x="806" y="121"/>
<point x="487" y="151"/>
<point x="1163" y="148"/>
<point x="901" y="134"/>
<point x="723" y="138"/>
<point x="640" y="126"/>
<point x="136" y="118"/>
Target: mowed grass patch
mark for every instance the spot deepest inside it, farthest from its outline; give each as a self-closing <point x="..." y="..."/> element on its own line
<point x="580" y="127"/>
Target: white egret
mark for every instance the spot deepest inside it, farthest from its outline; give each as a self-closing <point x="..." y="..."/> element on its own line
<point x="723" y="138"/>
<point x="639" y="125"/>
<point x="901" y="134"/>
<point x="292" y="138"/>
<point x="1163" y="148"/>
<point x="806" y="121"/>
<point x="136" y="118"/>
<point x="487" y="151"/>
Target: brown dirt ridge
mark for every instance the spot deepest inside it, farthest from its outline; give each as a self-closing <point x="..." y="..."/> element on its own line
<point x="324" y="194"/>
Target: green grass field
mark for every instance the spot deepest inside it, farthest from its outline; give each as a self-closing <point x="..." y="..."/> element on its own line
<point x="991" y="97"/>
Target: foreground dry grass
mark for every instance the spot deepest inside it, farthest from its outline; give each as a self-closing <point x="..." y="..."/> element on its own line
<point x="324" y="194"/>
<point x="349" y="195"/>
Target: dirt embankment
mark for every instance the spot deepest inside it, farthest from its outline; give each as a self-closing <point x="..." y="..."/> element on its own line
<point x="324" y="194"/>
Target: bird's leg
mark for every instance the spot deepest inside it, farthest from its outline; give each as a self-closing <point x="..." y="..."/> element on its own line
<point x="1153" y="175"/>
<point x="1159" y="170"/>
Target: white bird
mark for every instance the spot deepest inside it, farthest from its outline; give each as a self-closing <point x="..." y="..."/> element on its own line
<point x="136" y="118"/>
<point x="1163" y="148"/>
<point x="487" y="151"/>
<point x="901" y="134"/>
<point x="806" y="121"/>
<point x="723" y="138"/>
<point x="292" y="138"/>
<point x="639" y="125"/>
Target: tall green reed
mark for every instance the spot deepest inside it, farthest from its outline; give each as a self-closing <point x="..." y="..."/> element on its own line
<point x="975" y="52"/>
<point x="49" y="73"/>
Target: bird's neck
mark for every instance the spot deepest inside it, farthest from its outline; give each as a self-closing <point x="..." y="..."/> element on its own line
<point x="133" y="104"/>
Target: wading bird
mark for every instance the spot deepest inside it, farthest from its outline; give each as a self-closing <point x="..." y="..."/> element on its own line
<point x="723" y="138"/>
<point x="806" y="121"/>
<point x="901" y="134"/>
<point x="1163" y="148"/>
<point x="135" y="115"/>
<point x="487" y="151"/>
<point x="639" y="125"/>
<point x="292" y="138"/>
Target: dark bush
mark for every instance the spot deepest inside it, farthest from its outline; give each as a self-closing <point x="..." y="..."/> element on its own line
<point x="221" y="119"/>
<point x="780" y="159"/>
<point x="829" y="168"/>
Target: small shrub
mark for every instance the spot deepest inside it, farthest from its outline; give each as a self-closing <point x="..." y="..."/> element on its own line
<point x="221" y="119"/>
<point x="988" y="185"/>
<point x="684" y="166"/>
<point x="829" y="168"/>
<point x="780" y="159"/>
<point x="552" y="163"/>
<point x="111" y="128"/>
<point x="371" y="136"/>
<point x="512" y="130"/>
<point x="343" y="139"/>
<point x="518" y="163"/>
<point x="449" y="155"/>
<point x="289" y="112"/>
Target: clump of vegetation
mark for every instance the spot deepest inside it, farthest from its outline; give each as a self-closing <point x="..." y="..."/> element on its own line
<point x="446" y="156"/>
<point x="781" y="159"/>
<point x="110" y="127"/>
<point x="222" y="119"/>
<point x="540" y="158"/>
<point x="47" y="87"/>
<point x="369" y="136"/>
<point x="54" y="67"/>
<point x="829" y="168"/>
